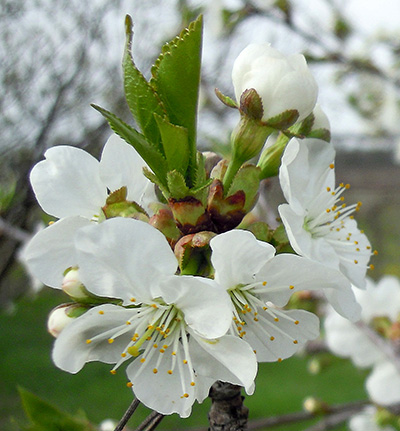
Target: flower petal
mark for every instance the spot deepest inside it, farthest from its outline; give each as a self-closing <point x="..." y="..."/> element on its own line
<point x="206" y="306"/>
<point x="383" y="384"/>
<point x="276" y="340"/>
<point x="68" y="183"/>
<point x="288" y="273"/>
<point x="237" y="255"/>
<point x="347" y="340"/>
<point x="120" y="166"/>
<point x="229" y="359"/>
<point x="123" y="258"/>
<point x="159" y="389"/>
<point x="72" y="349"/>
<point x="51" y="251"/>
<point x="305" y="171"/>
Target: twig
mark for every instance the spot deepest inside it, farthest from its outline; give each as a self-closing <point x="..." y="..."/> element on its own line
<point x="384" y="345"/>
<point x="151" y="422"/>
<point x="13" y="232"/>
<point x="125" y="418"/>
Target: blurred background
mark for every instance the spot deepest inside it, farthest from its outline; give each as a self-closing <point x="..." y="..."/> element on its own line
<point x="58" y="56"/>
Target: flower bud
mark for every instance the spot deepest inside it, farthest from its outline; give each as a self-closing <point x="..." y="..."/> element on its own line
<point x="62" y="316"/>
<point x="282" y="83"/>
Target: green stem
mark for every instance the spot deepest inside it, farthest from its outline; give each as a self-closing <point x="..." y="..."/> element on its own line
<point x="233" y="167"/>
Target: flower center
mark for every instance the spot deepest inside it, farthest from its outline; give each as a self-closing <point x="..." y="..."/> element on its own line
<point x="153" y="330"/>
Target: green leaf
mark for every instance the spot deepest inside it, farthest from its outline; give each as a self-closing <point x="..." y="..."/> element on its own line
<point x="140" y="95"/>
<point x="175" y="144"/>
<point x="44" y="416"/>
<point x="248" y="180"/>
<point x="177" y="185"/>
<point x="176" y="80"/>
<point x="151" y="155"/>
<point x="283" y="120"/>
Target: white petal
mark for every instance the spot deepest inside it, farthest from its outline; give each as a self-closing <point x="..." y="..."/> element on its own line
<point x="71" y="350"/>
<point x="205" y="304"/>
<point x="68" y="183"/>
<point x="123" y="258"/>
<point x="347" y="340"/>
<point x="237" y="255"/>
<point x="51" y="251"/>
<point x="305" y="171"/>
<point x="228" y="359"/>
<point x="383" y="384"/>
<point x="120" y="166"/>
<point x="288" y="337"/>
<point x="380" y="299"/>
<point x="286" y="270"/>
<point x="162" y="391"/>
<point x="366" y="421"/>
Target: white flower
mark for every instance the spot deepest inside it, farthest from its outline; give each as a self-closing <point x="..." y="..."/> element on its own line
<point x="73" y="186"/>
<point x="348" y="340"/>
<point x="366" y="421"/>
<point x="171" y="329"/>
<point x="259" y="283"/>
<point x="283" y="83"/>
<point x="318" y="223"/>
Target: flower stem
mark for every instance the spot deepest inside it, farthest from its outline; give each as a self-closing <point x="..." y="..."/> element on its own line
<point x="131" y="409"/>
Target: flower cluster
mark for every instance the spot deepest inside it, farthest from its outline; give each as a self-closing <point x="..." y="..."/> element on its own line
<point x="151" y="245"/>
<point x="374" y="340"/>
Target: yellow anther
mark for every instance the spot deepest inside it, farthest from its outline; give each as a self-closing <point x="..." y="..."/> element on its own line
<point x="129" y="384"/>
<point x="372" y="267"/>
<point x="328" y="189"/>
<point x="142" y="360"/>
<point x="264" y="283"/>
<point x="113" y="372"/>
<point x="375" y="252"/>
<point x="155" y="345"/>
<point x="295" y="342"/>
<point x="123" y="355"/>
<point x="255" y="319"/>
<point x="133" y="299"/>
<point x="169" y="371"/>
<point x="155" y="371"/>
<point x="101" y="312"/>
<point x="162" y="351"/>
<point x="128" y="322"/>
<point x="291" y="287"/>
<point x="332" y="165"/>
<point x="328" y="210"/>
<point x="173" y="353"/>
<point x="192" y="384"/>
<point x="369" y="247"/>
<point x="276" y="319"/>
<point x="185" y="395"/>
<point x="355" y="261"/>
<point x="154" y="305"/>
<point x="51" y="222"/>
<point x="347" y="186"/>
<point x="111" y="340"/>
<point x="296" y="322"/>
<point x="255" y="351"/>
<point x="185" y="361"/>
<point x="165" y="346"/>
<point x="272" y="338"/>
<point x="279" y="359"/>
<point x="357" y="249"/>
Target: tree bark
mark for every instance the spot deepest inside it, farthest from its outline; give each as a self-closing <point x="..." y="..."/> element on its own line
<point x="227" y="412"/>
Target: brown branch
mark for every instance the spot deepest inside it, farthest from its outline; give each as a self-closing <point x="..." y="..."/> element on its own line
<point x="127" y="415"/>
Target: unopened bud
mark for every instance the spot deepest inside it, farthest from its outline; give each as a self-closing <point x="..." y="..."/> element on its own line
<point x="62" y="316"/>
<point x="73" y="286"/>
<point x="315" y="406"/>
